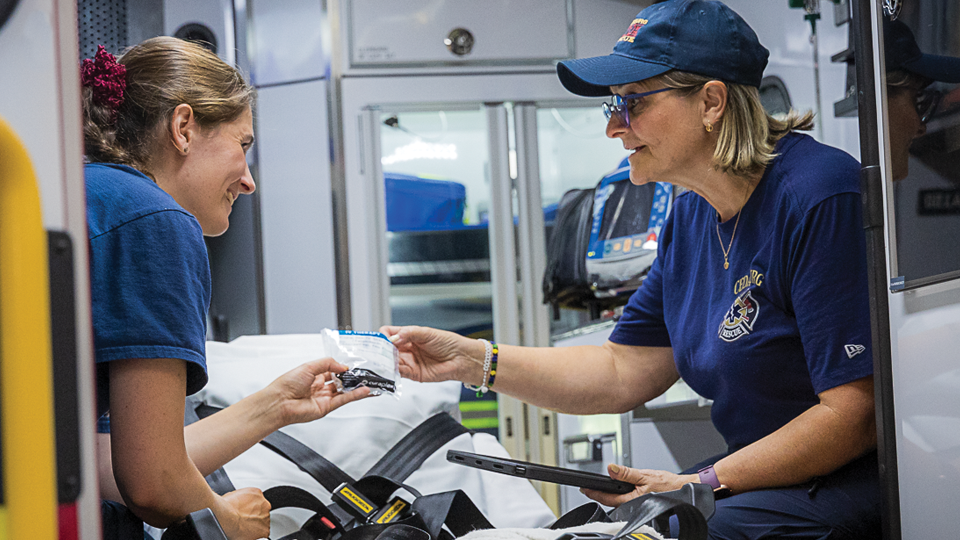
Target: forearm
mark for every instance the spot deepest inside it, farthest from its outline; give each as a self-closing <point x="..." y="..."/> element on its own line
<point x="217" y="439"/>
<point x="153" y="474"/>
<point x="579" y="380"/>
<point x="167" y="492"/>
<point x="816" y="443"/>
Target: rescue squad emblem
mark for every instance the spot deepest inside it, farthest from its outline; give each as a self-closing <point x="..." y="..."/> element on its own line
<point x="631" y="33"/>
<point x="740" y="318"/>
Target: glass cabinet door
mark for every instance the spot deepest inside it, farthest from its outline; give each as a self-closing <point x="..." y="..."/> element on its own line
<point x="437" y="199"/>
<point x="924" y="144"/>
<point x="574" y="153"/>
<point x="436" y="173"/>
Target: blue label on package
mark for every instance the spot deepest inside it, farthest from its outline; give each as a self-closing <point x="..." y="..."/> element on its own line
<point x="361" y="333"/>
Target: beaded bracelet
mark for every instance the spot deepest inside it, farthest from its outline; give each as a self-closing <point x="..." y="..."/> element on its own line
<point x="495" y="353"/>
<point x="487" y="360"/>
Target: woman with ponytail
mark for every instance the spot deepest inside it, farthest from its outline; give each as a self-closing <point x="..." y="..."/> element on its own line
<point x="166" y="131"/>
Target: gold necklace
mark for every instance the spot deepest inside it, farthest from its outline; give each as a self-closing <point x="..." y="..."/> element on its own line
<point x="726" y="252"/>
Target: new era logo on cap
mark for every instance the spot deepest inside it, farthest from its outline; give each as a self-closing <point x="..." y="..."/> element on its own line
<point x="853" y="350"/>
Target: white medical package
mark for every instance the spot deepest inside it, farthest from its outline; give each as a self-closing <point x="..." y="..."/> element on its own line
<point x="371" y="358"/>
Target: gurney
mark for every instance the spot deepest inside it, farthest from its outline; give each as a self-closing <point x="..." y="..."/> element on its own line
<point x="356" y="436"/>
<point x="354" y="440"/>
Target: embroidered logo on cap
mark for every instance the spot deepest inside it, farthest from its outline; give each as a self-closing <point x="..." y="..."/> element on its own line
<point x="740" y="318"/>
<point x="635" y="26"/>
<point x="853" y="350"/>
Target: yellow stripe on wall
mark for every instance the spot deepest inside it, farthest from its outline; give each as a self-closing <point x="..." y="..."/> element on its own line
<point x="25" y="350"/>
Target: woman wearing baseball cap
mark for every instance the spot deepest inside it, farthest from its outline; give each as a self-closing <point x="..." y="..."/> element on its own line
<point x="910" y="103"/>
<point x="757" y="299"/>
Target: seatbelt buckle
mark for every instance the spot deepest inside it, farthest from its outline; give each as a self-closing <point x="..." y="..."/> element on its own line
<point x="396" y="509"/>
<point x="354" y="502"/>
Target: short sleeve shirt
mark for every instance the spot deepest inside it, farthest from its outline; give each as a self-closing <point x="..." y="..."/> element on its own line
<point x="149" y="274"/>
<point x="790" y="317"/>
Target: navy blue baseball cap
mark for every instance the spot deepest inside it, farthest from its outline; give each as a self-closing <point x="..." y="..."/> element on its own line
<point x="901" y="52"/>
<point x="697" y="36"/>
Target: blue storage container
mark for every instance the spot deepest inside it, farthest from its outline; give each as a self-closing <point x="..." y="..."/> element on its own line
<point x="421" y="204"/>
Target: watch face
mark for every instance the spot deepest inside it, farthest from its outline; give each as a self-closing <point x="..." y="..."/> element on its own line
<point x="721" y="492"/>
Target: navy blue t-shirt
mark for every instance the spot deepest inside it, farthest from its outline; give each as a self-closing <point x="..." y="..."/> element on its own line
<point x="149" y="275"/>
<point x="789" y="319"/>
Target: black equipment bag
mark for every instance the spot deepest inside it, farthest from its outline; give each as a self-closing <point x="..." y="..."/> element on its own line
<point x="603" y="242"/>
<point x="565" y="278"/>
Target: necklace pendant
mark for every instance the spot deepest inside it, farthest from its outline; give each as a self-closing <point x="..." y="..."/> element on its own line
<point x="726" y="265"/>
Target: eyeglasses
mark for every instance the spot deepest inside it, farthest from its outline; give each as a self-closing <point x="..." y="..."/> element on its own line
<point x="926" y="103"/>
<point x="620" y="106"/>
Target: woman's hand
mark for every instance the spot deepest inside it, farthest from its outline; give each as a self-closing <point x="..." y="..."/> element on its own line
<point x="304" y="396"/>
<point x="646" y="480"/>
<point x="430" y="355"/>
<point x="248" y="515"/>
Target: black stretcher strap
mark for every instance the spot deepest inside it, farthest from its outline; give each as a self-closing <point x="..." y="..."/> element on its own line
<point x="329" y="475"/>
<point x="218" y="480"/>
<point x="397" y="464"/>
<point x="402" y="531"/>
<point x="692" y="525"/>
<point x="409" y="454"/>
<point x="453" y="508"/>
<point x="322" y="470"/>
<point x="200" y="525"/>
<point x="323" y="524"/>
<point x="590" y="512"/>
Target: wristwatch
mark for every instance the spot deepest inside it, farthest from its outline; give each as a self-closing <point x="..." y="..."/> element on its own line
<point x="709" y="476"/>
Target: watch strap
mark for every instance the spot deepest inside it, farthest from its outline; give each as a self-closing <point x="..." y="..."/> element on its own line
<point x="709" y="476"/>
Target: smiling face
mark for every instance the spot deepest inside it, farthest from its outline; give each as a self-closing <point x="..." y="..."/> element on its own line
<point x="665" y="134"/>
<point x="213" y="172"/>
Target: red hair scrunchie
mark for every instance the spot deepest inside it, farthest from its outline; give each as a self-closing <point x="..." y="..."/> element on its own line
<point x="106" y="77"/>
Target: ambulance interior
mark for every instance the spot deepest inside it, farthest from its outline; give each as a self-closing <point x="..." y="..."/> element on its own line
<point x="410" y="160"/>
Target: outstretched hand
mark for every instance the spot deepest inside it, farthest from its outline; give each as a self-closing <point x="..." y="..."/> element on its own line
<point x="430" y="355"/>
<point x="645" y="480"/>
<point x="304" y="395"/>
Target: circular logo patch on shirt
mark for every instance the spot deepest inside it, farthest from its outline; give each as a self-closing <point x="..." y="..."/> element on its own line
<point x="740" y="318"/>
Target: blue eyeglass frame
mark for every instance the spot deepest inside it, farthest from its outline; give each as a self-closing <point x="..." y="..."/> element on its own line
<point x="926" y="102"/>
<point x="618" y="105"/>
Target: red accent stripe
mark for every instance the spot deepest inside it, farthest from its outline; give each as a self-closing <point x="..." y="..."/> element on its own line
<point x="69" y="529"/>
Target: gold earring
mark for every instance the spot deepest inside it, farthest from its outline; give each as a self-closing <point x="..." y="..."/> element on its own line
<point x="709" y="127"/>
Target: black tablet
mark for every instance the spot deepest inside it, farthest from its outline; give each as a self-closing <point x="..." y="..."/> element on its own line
<point x="544" y="473"/>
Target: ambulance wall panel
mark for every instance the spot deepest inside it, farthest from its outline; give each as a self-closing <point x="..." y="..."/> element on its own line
<point x="598" y="24"/>
<point x="924" y="340"/>
<point x="289" y="41"/>
<point x="217" y="15"/>
<point x="396" y="33"/>
<point x="787" y="35"/>
<point x="423" y="92"/>
<point x="295" y="208"/>
<point x="41" y="102"/>
<point x="31" y="101"/>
